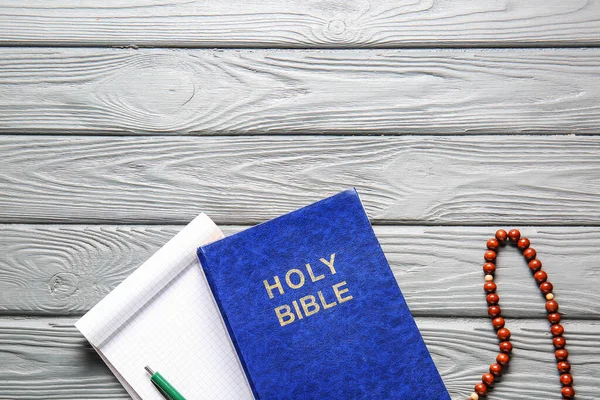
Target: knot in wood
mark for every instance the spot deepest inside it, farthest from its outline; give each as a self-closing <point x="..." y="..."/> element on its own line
<point x="63" y="284"/>
<point x="337" y="27"/>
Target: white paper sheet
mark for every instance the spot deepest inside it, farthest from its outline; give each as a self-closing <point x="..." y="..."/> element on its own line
<point x="163" y="315"/>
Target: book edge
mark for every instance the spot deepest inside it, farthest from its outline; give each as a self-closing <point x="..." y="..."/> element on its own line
<point x="308" y="206"/>
<point x="209" y="278"/>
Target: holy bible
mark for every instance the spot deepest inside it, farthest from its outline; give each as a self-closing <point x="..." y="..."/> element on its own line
<point x="314" y="310"/>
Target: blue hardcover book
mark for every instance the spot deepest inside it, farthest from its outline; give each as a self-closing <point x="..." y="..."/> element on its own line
<point x="314" y="310"/>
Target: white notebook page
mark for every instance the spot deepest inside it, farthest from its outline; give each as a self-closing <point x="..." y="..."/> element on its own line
<point x="163" y="315"/>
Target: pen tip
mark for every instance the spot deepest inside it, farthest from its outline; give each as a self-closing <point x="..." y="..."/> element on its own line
<point x="149" y="370"/>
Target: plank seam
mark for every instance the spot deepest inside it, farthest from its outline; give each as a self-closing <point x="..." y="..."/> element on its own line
<point x="16" y="317"/>
<point x="349" y="134"/>
<point x="525" y="45"/>
<point x="246" y="223"/>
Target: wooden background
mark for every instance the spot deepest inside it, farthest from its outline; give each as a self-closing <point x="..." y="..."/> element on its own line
<point x="121" y="120"/>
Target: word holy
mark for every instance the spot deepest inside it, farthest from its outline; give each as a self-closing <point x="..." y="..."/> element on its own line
<point x="307" y="305"/>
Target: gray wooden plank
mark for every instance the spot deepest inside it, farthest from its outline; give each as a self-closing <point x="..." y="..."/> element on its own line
<point x="331" y="23"/>
<point x="100" y="91"/>
<point x="66" y="269"/>
<point x="48" y="359"/>
<point x="482" y="180"/>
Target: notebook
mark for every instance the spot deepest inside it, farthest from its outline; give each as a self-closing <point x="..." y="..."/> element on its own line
<point x="314" y="309"/>
<point x="163" y="315"/>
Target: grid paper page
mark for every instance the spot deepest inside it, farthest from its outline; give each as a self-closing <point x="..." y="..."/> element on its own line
<point x="139" y="288"/>
<point x="164" y="316"/>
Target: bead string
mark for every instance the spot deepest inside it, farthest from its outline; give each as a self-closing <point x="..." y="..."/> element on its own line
<point x="503" y="358"/>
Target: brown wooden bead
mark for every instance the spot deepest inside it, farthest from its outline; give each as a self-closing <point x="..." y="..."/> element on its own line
<point x="503" y="334"/>
<point x="557" y="330"/>
<point x="561" y="354"/>
<point x="546" y="287"/>
<point x="554" y="318"/>
<point x="559" y="342"/>
<point x="501" y="235"/>
<point x="529" y="253"/>
<point x="563" y="366"/>
<point x="514" y="235"/>
<point x="523" y="243"/>
<point x="481" y="389"/>
<point x="534" y="265"/>
<point x="493" y="244"/>
<point x="489" y="268"/>
<point x="492" y="299"/>
<point x="496" y="369"/>
<point x="489" y="255"/>
<point x="551" y="306"/>
<point x="498" y="322"/>
<point x="505" y="347"/>
<point x="489" y="287"/>
<point x="494" y="311"/>
<point x="568" y="392"/>
<point x="566" y="379"/>
<point x="502" y="359"/>
<point x="540" y="276"/>
<point x="488" y="379"/>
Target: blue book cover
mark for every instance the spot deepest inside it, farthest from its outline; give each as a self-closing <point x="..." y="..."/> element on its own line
<point x="314" y="310"/>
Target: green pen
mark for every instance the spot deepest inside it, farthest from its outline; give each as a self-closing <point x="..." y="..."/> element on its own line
<point x="163" y="386"/>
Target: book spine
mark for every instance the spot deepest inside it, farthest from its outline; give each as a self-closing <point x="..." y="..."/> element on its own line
<point x="203" y="262"/>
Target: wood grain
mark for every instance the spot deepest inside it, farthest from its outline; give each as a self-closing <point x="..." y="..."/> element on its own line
<point x="482" y="180"/>
<point x="235" y="92"/>
<point x="48" y="358"/>
<point x="350" y="23"/>
<point x="50" y="274"/>
<point x="61" y="270"/>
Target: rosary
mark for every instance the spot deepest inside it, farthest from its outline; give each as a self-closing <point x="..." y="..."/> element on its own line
<point x="502" y="359"/>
